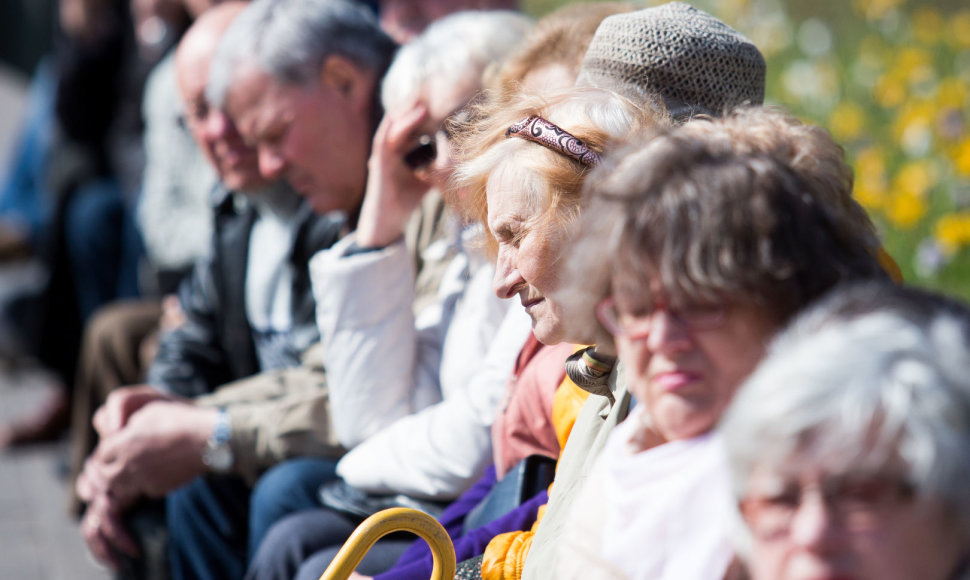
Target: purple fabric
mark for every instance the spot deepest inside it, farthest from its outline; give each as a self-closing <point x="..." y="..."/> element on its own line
<point x="416" y="562"/>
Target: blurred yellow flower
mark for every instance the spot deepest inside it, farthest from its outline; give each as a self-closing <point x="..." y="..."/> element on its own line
<point x="890" y="91"/>
<point x="875" y="9"/>
<point x="959" y="36"/>
<point x="870" y="194"/>
<point x="870" y="165"/>
<point x="915" y="64"/>
<point x="847" y="121"/>
<point x="951" y="93"/>
<point x="915" y="178"/>
<point x="961" y="158"/>
<point x="952" y="231"/>
<point x="927" y="25"/>
<point x="905" y="210"/>
<point x="912" y="127"/>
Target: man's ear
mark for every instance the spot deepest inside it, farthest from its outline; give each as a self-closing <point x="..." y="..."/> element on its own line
<point x="349" y="80"/>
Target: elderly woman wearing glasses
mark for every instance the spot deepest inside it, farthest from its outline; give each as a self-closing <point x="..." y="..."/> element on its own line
<point x="717" y="232"/>
<point x="849" y="445"/>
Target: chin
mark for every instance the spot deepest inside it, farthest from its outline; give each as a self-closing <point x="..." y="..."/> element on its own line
<point x="547" y="333"/>
<point x="243" y="182"/>
<point x="322" y="204"/>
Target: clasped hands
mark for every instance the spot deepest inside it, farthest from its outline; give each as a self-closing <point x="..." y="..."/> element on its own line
<point x="151" y="443"/>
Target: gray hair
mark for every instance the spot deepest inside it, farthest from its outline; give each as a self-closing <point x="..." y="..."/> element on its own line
<point x="291" y="39"/>
<point x="456" y="47"/>
<point x="873" y="376"/>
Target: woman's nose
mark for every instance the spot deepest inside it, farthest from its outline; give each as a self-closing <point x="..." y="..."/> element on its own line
<point x="667" y="333"/>
<point x="216" y="124"/>
<point x="507" y="280"/>
<point x="813" y="525"/>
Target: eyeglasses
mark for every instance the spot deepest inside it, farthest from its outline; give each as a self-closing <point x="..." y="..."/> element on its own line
<point x="423" y="154"/>
<point x="634" y="326"/>
<point x="194" y="113"/>
<point x="857" y="503"/>
<point x="426" y="151"/>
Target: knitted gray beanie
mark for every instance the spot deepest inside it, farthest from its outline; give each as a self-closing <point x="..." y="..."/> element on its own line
<point x="692" y="60"/>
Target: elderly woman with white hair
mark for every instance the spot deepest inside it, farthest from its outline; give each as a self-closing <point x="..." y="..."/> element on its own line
<point x="850" y="445"/>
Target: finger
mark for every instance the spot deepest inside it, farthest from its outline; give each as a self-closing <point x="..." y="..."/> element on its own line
<point x="84" y="489"/>
<point x="96" y="480"/>
<point x="100" y="421"/>
<point x="90" y="483"/>
<point x="401" y="129"/>
<point x="97" y="544"/>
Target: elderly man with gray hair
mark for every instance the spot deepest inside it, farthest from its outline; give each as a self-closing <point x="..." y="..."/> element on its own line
<point x="300" y="80"/>
<point x="155" y="442"/>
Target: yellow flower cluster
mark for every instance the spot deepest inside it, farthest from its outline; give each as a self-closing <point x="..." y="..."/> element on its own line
<point x="905" y="121"/>
<point x="894" y="89"/>
<point x="891" y="81"/>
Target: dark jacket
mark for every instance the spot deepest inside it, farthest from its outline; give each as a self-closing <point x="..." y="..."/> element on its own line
<point x="215" y="344"/>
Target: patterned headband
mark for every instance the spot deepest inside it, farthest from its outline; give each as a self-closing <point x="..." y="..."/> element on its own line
<point x="554" y="137"/>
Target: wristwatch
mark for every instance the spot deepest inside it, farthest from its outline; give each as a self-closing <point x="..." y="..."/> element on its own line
<point x="217" y="454"/>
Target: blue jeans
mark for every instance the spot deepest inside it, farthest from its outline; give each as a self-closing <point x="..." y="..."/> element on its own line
<point x="24" y="197"/>
<point x="103" y="245"/>
<point x="285" y="489"/>
<point x="209" y="519"/>
<point x="206" y="522"/>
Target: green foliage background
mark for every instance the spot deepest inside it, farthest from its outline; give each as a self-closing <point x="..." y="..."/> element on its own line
<point x="891" y="80"/>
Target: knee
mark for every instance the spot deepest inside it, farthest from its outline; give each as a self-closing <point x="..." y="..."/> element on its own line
<point x="290" y="486"/>
<point x="283" y="549"/>
<point x="278" y="482"/>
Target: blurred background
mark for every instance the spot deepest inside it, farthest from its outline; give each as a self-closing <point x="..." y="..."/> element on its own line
<point x="890" y="80"/>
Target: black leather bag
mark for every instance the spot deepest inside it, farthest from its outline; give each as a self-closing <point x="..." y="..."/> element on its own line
<point x="342" y="497"/>
<point x="529" y="476"/>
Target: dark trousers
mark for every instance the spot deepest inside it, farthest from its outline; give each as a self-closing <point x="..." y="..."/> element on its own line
<point x="210" y="521"/>
<point x="302" y="545"/>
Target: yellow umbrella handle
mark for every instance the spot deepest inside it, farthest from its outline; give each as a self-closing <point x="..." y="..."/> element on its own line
<point x="394" y="520"/>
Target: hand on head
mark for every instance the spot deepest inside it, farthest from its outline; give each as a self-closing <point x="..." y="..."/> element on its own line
<point x="394" y="187"/>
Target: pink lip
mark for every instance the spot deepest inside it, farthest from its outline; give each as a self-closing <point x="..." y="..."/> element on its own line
<point x="673" y="381"/>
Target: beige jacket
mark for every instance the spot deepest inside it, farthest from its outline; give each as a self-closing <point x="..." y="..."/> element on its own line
<point x="593" y="426"/>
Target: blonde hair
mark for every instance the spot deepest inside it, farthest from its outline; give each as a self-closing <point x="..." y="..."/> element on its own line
<point x="559" y="38"/>
<point x="601" y="119"/>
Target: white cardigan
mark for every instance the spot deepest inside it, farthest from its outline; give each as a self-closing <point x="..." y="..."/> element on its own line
<point x="414" y="398"/>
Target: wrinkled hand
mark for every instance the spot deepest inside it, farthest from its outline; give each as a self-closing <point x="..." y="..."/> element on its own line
<point x="112" y="416"/>
<point x="394" y="190"/>
<point x="158" y="450"/>
<point x="104" y="533"/>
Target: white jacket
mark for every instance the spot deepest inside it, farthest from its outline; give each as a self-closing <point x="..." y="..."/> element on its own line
<point x="413" y="397"/>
